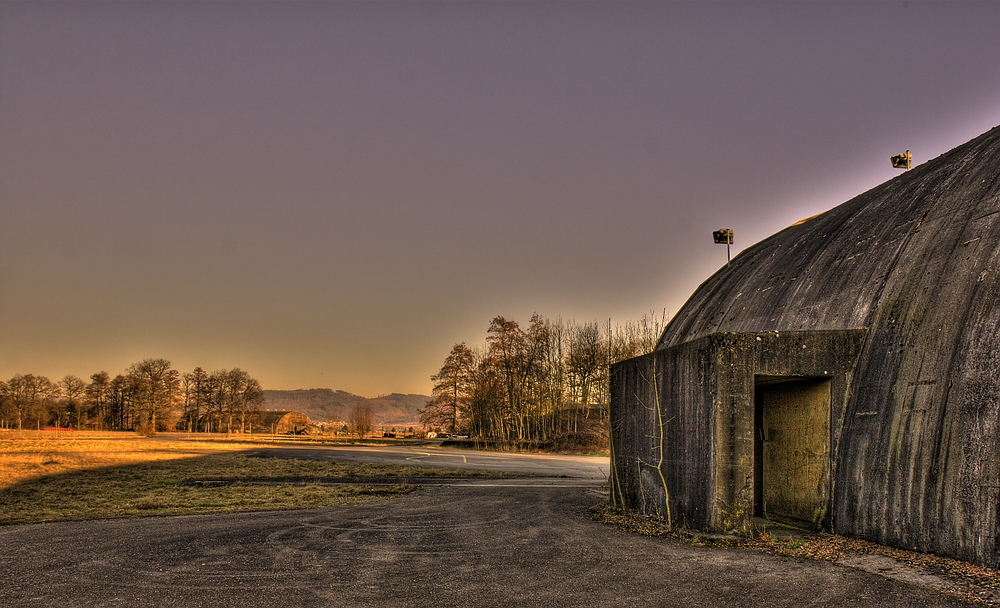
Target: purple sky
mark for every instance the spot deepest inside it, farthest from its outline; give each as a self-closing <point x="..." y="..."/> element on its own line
<point x="331" y="195"/>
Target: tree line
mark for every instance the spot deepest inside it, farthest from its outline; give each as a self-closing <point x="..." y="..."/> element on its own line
<point x="150" y="396"/>
<point x="530" y="384"/>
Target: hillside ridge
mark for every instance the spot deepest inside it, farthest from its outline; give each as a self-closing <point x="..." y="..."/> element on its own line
<point x="330" y="405"/>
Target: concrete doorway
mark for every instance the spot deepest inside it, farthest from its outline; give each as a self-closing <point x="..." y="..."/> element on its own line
<point x="792" y="449"/>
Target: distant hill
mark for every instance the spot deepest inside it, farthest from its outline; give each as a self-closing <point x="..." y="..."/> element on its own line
<point x="323" y="405"/>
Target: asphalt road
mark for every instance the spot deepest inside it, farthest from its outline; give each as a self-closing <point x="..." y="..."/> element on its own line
<point x="480" y="544"/>
<point x="585" y="469"/>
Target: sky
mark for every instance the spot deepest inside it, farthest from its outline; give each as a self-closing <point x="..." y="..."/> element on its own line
<point x="334" y="194"/>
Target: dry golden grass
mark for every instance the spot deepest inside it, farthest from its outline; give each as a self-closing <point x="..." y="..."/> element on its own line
<point x="49" y="477"/>
<point x="29" y="454"/>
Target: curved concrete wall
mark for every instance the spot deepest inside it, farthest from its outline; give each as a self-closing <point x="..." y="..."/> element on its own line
<point x="916" y="261"/>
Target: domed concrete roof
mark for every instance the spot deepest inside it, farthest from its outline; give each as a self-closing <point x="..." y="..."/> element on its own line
<point x="915" y="250"/>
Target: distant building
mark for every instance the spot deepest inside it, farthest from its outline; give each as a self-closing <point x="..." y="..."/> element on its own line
<point x="843" y="374"/>
<point x="282" y="422"/>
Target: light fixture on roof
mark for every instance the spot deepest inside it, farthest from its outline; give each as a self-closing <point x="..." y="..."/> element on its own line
<point x="902" y="161"/>
<point x="724" y="236"/>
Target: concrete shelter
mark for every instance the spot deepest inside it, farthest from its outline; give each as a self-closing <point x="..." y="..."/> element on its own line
<point x="281" y="422"/>
<point x="842" y="374"/>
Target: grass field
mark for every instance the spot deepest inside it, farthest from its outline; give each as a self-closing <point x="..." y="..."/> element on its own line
<point x="90" y="475"/>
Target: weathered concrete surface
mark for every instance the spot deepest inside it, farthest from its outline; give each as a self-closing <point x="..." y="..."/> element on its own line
<point x="914" y="260"/>
<point x="486" y="546"/>
<point x="704" y="397"/>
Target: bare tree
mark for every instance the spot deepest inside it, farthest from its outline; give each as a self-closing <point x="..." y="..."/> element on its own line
<point x="98" y="397"/>
<point x="73" y="390"/>
<point x="506" y="348"/>
<point x="121" y="403"/>
<point x="245" y="395"/>
<point x="57" y="409"/>
<point x="195" y="391"/>
<point x="217" y="400"/>
<point x="17" y="396"/>
<point x="636" y="338"/>
<point x="450" y="397"/>
<point x="586" y="359"/>
<point x="156" y="388"/>
<point x="225" y="395"/>
<point x="6" y="405"/>
<point x="29" y="395"/>
<point x="361" y="419"/>
<point x="553" y="380"/>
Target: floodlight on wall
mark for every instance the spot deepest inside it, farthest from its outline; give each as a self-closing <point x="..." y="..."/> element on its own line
<point x="724" y="236"/>
<point x="902" y="161"/>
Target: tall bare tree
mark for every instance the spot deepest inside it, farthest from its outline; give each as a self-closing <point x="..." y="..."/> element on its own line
<point x="506" y="348"/>
<point x="156" y="392"/>
<point x="587" y="357"/>
<point x="451" y="396"/>
<point x="98" y="396"/>
<point x="361" y="419"/>
<point x="121" y="403"/>
<point x="6" y="405"/>
<point x="29" y="395"/>
<point x="194" y="386"/>
<point x="217" y="400"/>
<point x="245" y="396"/>
<point x="74" y="389"/>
